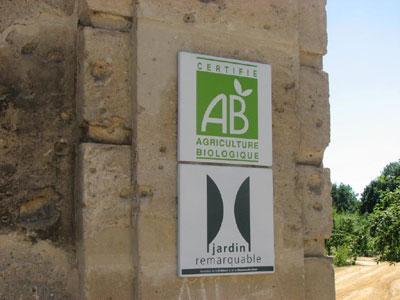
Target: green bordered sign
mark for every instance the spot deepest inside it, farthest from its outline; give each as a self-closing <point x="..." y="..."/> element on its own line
<point x="224" y="110"/>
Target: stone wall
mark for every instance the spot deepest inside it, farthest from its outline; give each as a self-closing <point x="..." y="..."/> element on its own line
<point x="91" y="85"/>
<point x="37" y="139"/>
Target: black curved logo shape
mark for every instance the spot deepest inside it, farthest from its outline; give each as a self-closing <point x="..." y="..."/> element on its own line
<point x="242" y="210"/>
<point x="215" y="211"/>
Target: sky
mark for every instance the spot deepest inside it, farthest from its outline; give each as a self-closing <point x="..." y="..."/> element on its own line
<point x="363" y="63"/>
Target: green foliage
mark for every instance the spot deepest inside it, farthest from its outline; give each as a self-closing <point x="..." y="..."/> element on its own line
<point x="362" y="244"/>
<point x="349" y="237"/>
<point x="385" y="227"/>
<point x="342" y="256"/>
<point x="344" y="198"/>
<point x="373" y="229"/>
<point x="392" y="169"/>
<point x="389" y="180"/>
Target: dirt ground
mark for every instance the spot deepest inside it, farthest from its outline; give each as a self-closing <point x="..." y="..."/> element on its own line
<point x="368" y="280"/>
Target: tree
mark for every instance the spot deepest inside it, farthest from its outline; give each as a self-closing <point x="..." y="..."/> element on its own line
<point x="385" y="227"/>
<point x="344" y="198"/>
<point x="349" y="238"/>
<point x="375" y="232"/>
<point x="389" y="180"/>
<point x="343" y="231"/>
<point x="371" y="195"/>
<point x="392" y="169"/>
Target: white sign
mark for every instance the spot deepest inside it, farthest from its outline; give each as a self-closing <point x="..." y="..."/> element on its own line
<point x="225" y="220"/>
<point x="224" y="110"/>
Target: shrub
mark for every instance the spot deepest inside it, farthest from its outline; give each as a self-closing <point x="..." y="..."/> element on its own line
<point x="385" y="227"/>
<point x="343" y="257"/>
<point x="350" y="237"/>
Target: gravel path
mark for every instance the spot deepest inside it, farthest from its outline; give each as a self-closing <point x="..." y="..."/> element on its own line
<point x="368" y="280"/>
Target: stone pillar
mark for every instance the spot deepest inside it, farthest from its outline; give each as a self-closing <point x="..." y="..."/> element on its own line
<point x="314" y="185"/>
<point x="37" y="138"/>
<point x="280" y="33"/>
<point x="129" y="59"/>
<point x="103" y="181"/>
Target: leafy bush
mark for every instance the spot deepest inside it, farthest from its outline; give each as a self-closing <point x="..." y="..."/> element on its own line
<point x="343" y="257"/>
<point x="362" y="243"/>
<point x="370" y="227"/>
<point x="345" y="240"/>
<point x="350" y="238"/>
<point x="385" y="227"/>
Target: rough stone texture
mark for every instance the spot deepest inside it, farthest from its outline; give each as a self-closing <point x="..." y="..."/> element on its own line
<point x="314" y="188"/>
<point x="37" y="55"/>
<point x="313" y="181"/>
<point x="104" y="104"/>
<point x="265" y="20"/>
<point x="311" y="60"/>
<point x="104" y="210"/>
<point x="116" y="15"/>
<point x="312" y="26"/>
<point x="115" y="7"/>
<point x="35" y="270"/>
<point x="37" y="66"/>
<point x="37" y="120"/>
<point x="313" y="112"/>
<point x="156" y="100"/>
<point x="314" y="247"/>
<point x="28" y="10"/>
<point x="320" y="278"/>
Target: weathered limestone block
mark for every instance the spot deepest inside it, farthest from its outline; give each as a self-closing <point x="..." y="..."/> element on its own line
<point x="320" y="278"/>
<point x="312" y="26"/>
<point x="314" y="190"/>
<point x="314" y="247"/>
<point x="218" y="287"/>
<point x="103" y="101"/>
<point x="35" y="270"/>
<point x="156" y="162"/>
<point x="313" y="112"/>
<point x="37" y="112"/>
<point x="108" y="283"/>
<point x="311" y="60"/>
<point x="273" y="20"/>
<point x="105" y="239"/>
<point x="116" y="15"/>
<point x="159" y="274"/>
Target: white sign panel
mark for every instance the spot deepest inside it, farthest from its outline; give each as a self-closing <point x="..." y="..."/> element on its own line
<point x="224" y="110"/>
<point x="225" y="220"/>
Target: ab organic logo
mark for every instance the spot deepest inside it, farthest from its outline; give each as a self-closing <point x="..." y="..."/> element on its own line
<point x="226" y="113"/>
